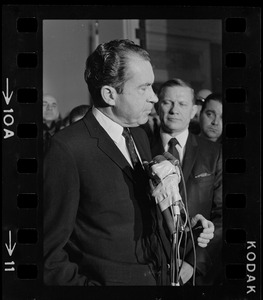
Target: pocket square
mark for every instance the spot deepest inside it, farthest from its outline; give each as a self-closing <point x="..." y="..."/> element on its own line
<point x="202" y="175"/>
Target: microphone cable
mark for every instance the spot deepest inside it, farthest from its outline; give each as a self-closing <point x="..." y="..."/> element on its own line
<point x="175" y="250"/>
<point x="189" y="222"/>
<point x="177" y="237"/>
<point x="176" y="242"/>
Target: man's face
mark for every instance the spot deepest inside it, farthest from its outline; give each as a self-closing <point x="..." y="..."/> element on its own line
<point x="176" y="109"/>
<point x="211" y="120"/>
<point x="50" y="109"/>
<point x="135" y="103"/>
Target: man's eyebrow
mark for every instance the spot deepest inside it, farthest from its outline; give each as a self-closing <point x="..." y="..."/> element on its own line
<point x="145" y="84"/>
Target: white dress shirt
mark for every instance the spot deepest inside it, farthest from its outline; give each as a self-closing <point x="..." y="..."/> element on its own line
<point x="181" y="138"/>
<point x="114" y="130"/>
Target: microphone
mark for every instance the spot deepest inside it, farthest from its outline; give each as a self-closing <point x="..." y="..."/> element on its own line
<point x="171" y="158"/>
<point x="167" y="214"/>
<point x="148" y="167"/>
<point x="157" y="159"/>
<point x="175" y="162"/>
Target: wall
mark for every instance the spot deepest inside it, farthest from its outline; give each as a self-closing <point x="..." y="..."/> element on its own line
<point x="66" y="46"/>
<point x="65" y="49"/>
<point x="178" y="48"/>
<point x="187" y="49"/>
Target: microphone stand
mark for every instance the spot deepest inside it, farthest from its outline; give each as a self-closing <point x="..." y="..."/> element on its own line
<point x="175" y="248"/>
<point x="174" y="220"/>
<point x="179" y="227"/>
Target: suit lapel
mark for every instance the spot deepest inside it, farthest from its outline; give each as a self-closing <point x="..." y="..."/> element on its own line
<point x="106" y="144"/>
<point x="141" y="145"/>
<point x="190" y="155"/>
<point x="157" y="146"/>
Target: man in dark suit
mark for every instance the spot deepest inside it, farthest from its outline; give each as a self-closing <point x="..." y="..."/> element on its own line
<point x="52" y="121"/>
<point x="202" y="171"/>
<point x="100" y="224"/>
<point x="211" y="124"/>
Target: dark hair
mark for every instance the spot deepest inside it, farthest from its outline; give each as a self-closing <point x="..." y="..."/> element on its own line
<point x="175" y="82"/>
<point x="107" y="65"/>
<point x="78" y="112"/>
<point x="199" y="100"/>
<point x="214" y="96"/>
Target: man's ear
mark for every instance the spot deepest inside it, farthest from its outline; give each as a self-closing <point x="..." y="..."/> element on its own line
<point x="109" y="94"/>
<point x="194" y="111"/>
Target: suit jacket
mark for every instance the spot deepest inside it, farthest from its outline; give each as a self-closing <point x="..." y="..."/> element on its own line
<point x="202" y="172"/>
<point x="98" y="220"/>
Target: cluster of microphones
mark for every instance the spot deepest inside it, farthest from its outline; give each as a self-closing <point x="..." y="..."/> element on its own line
<point x="165" y="175"/>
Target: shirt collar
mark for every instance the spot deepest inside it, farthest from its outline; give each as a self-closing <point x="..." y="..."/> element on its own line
<point x="181" y="137"/>
<point x="113" y="129"/>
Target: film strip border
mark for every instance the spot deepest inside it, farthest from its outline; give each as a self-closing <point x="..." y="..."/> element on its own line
<point x="242" y="156"/>
<point x="241" y="148"/>
<point x="22" y="152"/>
<point x="21" y="155"/>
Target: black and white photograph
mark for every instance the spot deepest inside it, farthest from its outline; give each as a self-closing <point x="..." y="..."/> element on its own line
<point x="125" y="177"/>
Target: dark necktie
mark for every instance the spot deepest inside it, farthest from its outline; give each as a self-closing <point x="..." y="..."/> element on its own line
<point x="131" y="148"/>
<point x="172" y="148"/>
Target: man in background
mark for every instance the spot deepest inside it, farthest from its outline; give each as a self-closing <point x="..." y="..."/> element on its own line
<point x="211" y="118"/>
<point x="201" y="163"/>
<point x="51" y="119"/>
<point x="194" y="126"/>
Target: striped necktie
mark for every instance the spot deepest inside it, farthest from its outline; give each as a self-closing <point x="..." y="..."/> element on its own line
<point x="131" y="148"/>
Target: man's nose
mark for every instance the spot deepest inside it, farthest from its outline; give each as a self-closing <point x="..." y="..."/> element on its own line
<point x="49" y="107"/>
<point x="216" y="120"/>
<point x="153" y="97"/>
<point x="174" y="107"/>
